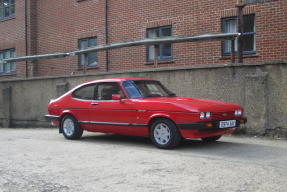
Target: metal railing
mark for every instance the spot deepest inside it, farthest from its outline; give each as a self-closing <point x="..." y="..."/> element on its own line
<point x="154" y="41"/>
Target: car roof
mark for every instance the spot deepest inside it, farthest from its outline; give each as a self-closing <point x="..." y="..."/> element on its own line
<point x="116" y="80"/>
<point x="108" y="80"/>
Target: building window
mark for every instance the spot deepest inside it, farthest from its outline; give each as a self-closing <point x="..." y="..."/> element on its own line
<point x="91" y="56"/>
<point x="6" y="68"/>
<point x="165" y="50"/>
<point x="7" y="8"/>
<point x="229" y="25"/>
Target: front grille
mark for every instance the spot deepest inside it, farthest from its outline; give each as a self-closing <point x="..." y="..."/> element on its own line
<point x="222" y="115"/>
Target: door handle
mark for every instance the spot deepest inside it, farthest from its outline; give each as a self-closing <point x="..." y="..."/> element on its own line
<point x="94" y="103"/>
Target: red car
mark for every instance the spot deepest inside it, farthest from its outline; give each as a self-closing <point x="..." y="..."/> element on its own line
<point x="141" y="107"/>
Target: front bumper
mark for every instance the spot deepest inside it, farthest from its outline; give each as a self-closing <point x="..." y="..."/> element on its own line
<point x="209" y="125"/>
<point x="51" y="117"/>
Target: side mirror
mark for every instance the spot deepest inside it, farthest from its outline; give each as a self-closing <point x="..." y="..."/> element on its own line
<point x="116" y="97"/>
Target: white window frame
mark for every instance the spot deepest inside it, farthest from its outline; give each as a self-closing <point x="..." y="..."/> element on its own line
<point x="7" y="68"/>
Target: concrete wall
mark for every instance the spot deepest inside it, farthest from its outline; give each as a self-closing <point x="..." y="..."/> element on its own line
<point x="260" y="87"/>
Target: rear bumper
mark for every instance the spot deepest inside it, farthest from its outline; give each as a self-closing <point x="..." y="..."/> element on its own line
<point x="51" y="117"/>
<point x="207" y="128"/>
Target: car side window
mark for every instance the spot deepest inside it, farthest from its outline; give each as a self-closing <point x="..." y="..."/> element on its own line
<point x="106" y="90"/>
<point x="86" y="92"/>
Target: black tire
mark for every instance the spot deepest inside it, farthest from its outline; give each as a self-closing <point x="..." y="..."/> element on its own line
<point x="172" y="140"/>
<point x="74" y="133"/>
<point x="211" y="139"/>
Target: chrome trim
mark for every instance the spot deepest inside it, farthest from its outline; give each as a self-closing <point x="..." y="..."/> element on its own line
<point x="93" y="100"/>
<point x="114" y="123"/>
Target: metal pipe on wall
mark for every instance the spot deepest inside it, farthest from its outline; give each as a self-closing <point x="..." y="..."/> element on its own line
<point x="193" y="38"/>
<point x="107" y="33"/>
<point x="240" y="6"/>
<point x="26" y="38"/>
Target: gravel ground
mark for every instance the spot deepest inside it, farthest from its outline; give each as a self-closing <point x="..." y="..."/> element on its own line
<point x="42" y="160"/>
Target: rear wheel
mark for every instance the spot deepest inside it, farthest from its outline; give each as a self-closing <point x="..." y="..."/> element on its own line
<point x="211" y="139"/>
<point x="71" y="128"/>
<point x="164" y="134"/>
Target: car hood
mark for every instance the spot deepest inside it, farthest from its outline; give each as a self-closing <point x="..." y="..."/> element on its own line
<point x="185" y="104"/>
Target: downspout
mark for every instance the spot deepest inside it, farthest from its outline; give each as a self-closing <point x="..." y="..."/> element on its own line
<point x="240" y="6"/>
<point x="26" y="37"/>
<point x="107" y="33"/>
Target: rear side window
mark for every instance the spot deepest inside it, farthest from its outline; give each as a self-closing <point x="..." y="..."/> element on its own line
<point x="86" y="92"/>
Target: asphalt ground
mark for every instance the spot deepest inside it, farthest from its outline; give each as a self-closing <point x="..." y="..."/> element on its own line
<point x="41" y="160"/>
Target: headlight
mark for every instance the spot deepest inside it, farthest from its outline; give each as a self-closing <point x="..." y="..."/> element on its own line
<point x="204" y="115"/>
<point x="238" y="112"/>
<point x="207" y="115"/>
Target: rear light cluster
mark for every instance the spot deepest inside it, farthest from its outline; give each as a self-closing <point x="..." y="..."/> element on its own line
<point x="205" y="115"/>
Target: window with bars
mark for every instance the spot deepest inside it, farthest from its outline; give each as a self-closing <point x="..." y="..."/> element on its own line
<point x="165" y="49"/>
<point x="229" y="25"/>
<point x="6" y="68"/>
<point x="92" y="57"/>
<point x="7" y="9"/>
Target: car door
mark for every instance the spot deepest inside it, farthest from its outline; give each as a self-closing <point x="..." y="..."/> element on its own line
<point x="108" y="115"/>
<point x="81" y="104"/>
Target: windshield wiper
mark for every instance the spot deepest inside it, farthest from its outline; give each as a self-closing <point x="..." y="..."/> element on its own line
<point x="172" y="95"/>
<point x="154" y="95"/>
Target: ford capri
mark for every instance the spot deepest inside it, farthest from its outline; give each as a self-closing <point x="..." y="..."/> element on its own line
<point x="141" y="107"/>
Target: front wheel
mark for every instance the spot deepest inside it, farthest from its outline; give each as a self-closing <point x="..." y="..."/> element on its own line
<point x="71" y="128"/>
<point x="211" y="139"/>
<point x="164" y="134"/>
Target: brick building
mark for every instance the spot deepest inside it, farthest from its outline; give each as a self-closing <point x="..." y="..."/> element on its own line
<point x="29" y="27"/>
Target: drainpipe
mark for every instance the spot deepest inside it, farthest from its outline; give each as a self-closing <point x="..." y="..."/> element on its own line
<point x="240" y="6"/>
<point x="26" y="37"/>
<point x="107" y="33"/>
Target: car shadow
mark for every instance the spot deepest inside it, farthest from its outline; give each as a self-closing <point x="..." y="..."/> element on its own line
<point x="118" y="139"/>
<point x="232" y="149"/>
<point x="219" y="149"/>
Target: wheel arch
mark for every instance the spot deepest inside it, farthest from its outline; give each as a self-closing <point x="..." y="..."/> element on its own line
<point x="175" y="137"/>
<point x="63" y="114"/>
<point x="160" y="116"/>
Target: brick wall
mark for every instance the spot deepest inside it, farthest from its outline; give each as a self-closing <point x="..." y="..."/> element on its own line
<point x="56" y="26"/>
<point x="12" y="35"/>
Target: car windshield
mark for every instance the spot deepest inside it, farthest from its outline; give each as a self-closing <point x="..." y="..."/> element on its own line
<point x="146" y="88"/>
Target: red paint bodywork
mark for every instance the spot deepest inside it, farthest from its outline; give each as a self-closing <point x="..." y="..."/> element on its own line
<point x="139" y="113"/>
